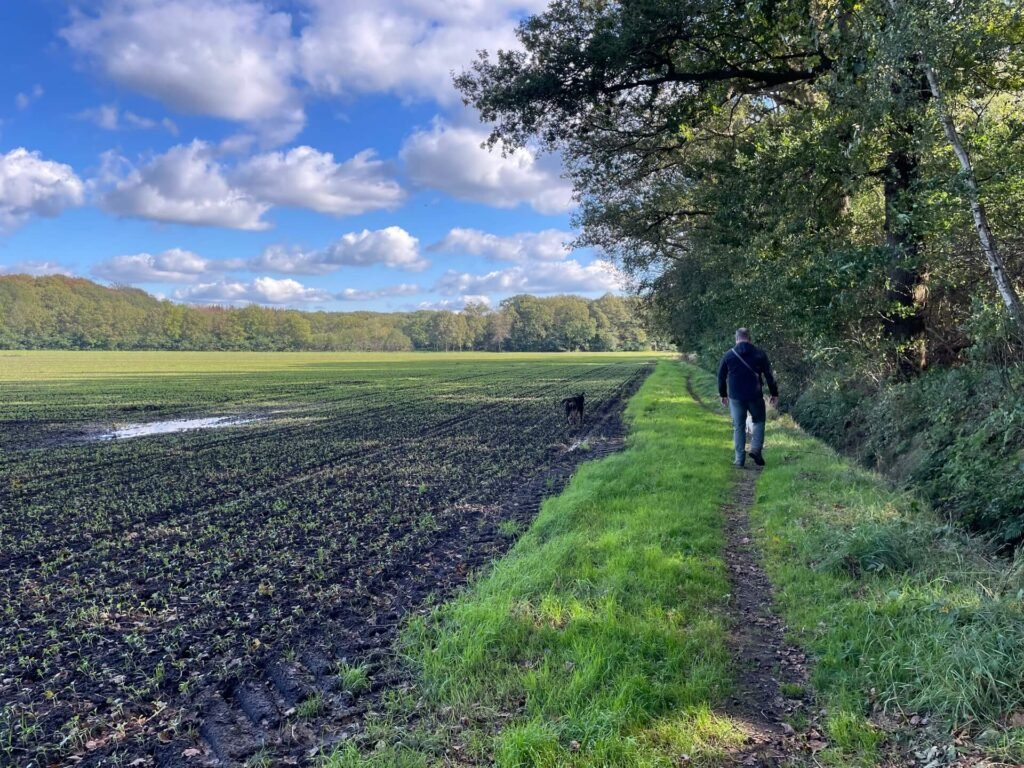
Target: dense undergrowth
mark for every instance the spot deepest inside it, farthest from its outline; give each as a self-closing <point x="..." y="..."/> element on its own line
<point x="954" y="435"/>
<point x="600" y="639"/>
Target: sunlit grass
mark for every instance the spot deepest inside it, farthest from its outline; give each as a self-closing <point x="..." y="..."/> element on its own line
<point x="56" y="365"/>
<point x="600" y="639"/>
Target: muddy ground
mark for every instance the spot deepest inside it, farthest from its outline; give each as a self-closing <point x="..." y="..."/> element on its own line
<point x="278" y="700"/>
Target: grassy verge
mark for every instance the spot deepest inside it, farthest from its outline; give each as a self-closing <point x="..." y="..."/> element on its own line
<point x="597" y="641"/>
<point x="600" y="639"/>
<point x="903" y="614"/>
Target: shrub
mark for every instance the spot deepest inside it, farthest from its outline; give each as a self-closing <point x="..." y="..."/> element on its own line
<point x="956" y="435"/>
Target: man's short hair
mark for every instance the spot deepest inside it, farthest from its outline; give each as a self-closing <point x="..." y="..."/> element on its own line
<point x="742" y="334"/>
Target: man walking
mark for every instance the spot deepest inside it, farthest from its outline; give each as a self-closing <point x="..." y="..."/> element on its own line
<point x="742" y="368"/>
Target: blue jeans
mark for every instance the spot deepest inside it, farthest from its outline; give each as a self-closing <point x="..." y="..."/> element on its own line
<point x="739" y="410"/>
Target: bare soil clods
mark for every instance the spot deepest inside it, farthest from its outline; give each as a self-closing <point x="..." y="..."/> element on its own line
<point x="191" y="599"/>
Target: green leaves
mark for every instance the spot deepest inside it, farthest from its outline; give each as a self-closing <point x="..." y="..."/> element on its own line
<point x="776" y="164"/>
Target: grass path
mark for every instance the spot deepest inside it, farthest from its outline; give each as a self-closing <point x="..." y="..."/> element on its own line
<point x="605" y="637"/>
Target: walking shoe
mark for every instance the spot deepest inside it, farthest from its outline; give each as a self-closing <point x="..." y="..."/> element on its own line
<point x="758" y="458"/>
<point x="738" y="464"/>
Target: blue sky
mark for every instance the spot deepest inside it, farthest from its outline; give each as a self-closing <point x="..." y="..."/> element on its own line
<point x="302" y="153"/>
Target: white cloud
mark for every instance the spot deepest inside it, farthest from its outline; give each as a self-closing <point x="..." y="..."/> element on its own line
<point x="405" y="47"/>
<point x="189" y="184"/>
<point x="186" y="185"/>
<point x="551" y="277"/>
<point x="25" y="98"/>
<point x="454" y="305"/>
<point x="262" y="290"/>
<point x="248" y="60"/>
<point x="32" y="186"/>
<point x="174" y="265"/>
<point x="391" y="247"/>
<point x="451" y="159"/>
<point x="356" y="294"/>
<point x="306" y="178"/>
<point x="34" y="268"/>
<point x="232" y="59"/>
<point x="546" y="245"/>
<point x="110" y="118"/>
<point x="105" y="116"/>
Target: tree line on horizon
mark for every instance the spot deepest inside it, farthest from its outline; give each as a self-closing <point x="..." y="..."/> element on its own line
<point x="58" y="312"/>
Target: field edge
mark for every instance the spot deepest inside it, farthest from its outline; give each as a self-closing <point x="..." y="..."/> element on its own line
<point x="601" y="637"/>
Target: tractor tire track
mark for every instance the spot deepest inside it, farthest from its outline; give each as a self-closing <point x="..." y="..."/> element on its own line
<point x="256" y="715"/>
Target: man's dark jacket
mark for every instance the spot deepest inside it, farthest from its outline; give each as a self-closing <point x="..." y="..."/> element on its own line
<point x="745" y="380"/>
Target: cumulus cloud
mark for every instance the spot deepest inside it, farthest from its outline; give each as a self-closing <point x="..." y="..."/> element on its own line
<point x="451" y="159"/>
<point x="405" y="47"/>
<point x="546" y="245"/>
<point x="31" y="186"/>
<point x="232" y="59"/>
<point x="306" y="178"/>
<point x="552" y="277"/>
<point x="174" y="265"/>
<point x="390" y="247"/>
<point x="185" y="185"/>
<point x="357" y="294"/>
<point x="189" y="184"/>
<point x="34" y="268"/>
<point x="454" y="305"/>
<point x="109" y="117"/>
<point x="251" y="61"/>
<point x="262" y="290"/>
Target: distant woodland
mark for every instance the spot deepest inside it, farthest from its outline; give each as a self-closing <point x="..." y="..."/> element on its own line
<point x="58" y="312"/>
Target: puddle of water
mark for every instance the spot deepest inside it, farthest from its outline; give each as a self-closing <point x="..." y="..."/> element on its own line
<point x="171" y="425"/>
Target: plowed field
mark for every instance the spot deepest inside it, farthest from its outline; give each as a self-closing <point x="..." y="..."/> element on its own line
<point x="227" y="594"/>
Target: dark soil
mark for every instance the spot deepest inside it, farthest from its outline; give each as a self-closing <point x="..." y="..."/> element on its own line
<point x="262" y="715"/>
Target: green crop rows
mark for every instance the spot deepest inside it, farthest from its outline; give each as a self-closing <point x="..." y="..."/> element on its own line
<point x="134" y="573"/>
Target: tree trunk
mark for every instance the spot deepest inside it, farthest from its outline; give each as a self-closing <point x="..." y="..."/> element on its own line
<point x="904" y="321"/>
<point x="988" y="242"/>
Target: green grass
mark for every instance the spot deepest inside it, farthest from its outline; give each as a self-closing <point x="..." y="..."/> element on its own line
<point x="599" y="640"/>
<point x="311" y="707"/>
<point x="353" y="678"/>
<point x="56" y="365"/>
<point x="903" y="613"/>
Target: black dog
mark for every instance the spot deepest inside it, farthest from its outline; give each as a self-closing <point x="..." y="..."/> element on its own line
<point x="574" y="408"/>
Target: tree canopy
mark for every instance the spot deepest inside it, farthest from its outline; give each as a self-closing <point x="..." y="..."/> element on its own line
<point x="71" y="313"/>
<point x="785" y="165"/>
